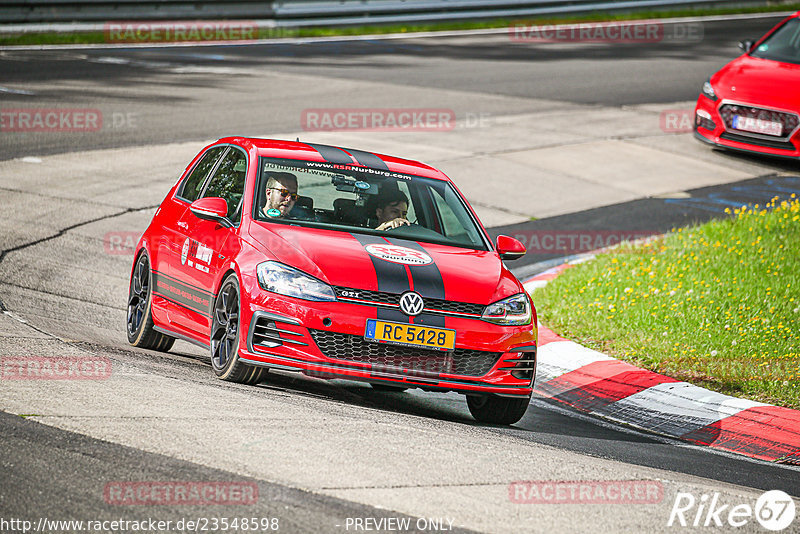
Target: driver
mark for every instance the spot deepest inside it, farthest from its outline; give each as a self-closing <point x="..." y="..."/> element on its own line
<point x="281" y="194"/>
<point x="391" y="209"/>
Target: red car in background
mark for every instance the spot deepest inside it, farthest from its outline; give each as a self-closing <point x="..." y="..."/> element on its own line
<point x="753" y="103"/>
<point x="273" y="255"/>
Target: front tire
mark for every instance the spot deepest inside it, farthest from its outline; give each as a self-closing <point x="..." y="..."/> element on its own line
<point x="140" y="317"/>
<point x="225" y="333"/>
<point x="497" y="410"/>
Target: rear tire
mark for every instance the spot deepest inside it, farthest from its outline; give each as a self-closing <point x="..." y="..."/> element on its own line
<point x="225" y="332"/>
<point x="140" y="317"/>
<point x="497" y="410"/>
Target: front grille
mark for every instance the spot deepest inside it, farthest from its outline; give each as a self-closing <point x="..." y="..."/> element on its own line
<point x="372" y="296"/>
<point x="445" y="307"/>
<point x="788" y="121"/>
<point x="454" y="307"/>
<point x="420" y="362"/>
<point x="781" y="145"/>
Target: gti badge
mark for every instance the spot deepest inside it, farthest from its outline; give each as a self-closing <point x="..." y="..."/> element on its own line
<point x="411" y="303"/>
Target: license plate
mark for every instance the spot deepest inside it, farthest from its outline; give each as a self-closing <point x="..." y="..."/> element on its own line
<point x="749" y="124"/>
<point x="410" y="334"/>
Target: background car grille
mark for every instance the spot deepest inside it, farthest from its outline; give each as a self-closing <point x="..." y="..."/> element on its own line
<point x="393" y="300"/>
<point x="788" y="120"/>
<point x="354" y="348"/>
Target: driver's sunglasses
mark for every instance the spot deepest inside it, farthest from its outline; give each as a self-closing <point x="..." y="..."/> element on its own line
<point x="285" y="193"/>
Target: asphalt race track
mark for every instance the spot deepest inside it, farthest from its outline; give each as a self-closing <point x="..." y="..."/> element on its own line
<point x="548" y="137"/>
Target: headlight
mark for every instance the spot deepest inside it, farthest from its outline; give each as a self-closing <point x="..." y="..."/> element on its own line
<point x="708" y="90"/>
<point x="285" y="280"/>
<point x="514" y="310"/>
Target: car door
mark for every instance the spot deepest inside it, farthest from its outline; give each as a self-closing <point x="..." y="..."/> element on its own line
<point x="208" y="246"/>
<point x="172" y="234"/>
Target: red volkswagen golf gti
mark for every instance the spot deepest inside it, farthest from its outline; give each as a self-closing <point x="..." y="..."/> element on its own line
<point x="337" y="263"/>
<point x="753" y="103"/>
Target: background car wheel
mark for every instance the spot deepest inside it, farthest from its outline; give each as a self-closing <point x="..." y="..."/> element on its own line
<point x="140" y="319"/>
<point x="225" y="328"/>
<point x="387" y="387"/>
<point x="497" y="410"/>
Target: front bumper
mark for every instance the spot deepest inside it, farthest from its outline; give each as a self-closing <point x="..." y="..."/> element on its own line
<point x="326" y="339"/>
<point x="710" y="127"/>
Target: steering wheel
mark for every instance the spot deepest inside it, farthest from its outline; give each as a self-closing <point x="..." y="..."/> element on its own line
<point x="410" y="225"/>
<point x="415" y="230"/>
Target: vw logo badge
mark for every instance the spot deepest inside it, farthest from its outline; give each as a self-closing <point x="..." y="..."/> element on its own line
<point x="411" y="303"/>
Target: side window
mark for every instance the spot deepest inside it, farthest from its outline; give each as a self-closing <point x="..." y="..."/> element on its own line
<point x="192" y="185"/>
<point x="228" y="182"/>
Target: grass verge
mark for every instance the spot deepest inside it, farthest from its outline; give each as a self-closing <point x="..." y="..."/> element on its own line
<point x="717" y="305"/>
<point x="334" y="31"/>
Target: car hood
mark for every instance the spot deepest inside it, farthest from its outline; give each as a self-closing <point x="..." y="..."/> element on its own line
<point x="369" y="262"/>
<point x="760" y="82"/>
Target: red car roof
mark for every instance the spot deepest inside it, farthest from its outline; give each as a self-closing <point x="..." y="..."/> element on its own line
<point x="276" y="148"/>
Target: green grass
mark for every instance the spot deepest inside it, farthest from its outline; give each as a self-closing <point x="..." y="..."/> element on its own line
<point x="333" y="31"/>
<point x="717" y="305"/>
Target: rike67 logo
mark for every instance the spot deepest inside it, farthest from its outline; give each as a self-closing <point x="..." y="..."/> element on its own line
<point x="774" y="510"/>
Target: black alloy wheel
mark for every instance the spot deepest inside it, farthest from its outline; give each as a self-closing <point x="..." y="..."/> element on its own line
<point x="140" y="319"/>
<point x="225" y="334"/>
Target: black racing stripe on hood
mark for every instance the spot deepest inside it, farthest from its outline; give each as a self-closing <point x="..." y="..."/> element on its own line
<point x="332" y="154"/>
<point x="427" y="280"/>
<point x="368" y="159"/>
<point x="392" y="277"/>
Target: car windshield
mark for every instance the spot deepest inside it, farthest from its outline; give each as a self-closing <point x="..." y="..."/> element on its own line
<point x="364" y="200"/>
<point x="782" y="45"/>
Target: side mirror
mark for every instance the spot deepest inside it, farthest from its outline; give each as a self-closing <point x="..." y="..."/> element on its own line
<point x="509" y="248"/>
<point x="746" y="45"/>
<point x="212" y="209"/>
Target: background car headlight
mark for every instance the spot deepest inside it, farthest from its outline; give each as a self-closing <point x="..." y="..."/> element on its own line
<point x="285" y="280"/>
<point x="515" y="310"/>
<point x="708" y="90"/>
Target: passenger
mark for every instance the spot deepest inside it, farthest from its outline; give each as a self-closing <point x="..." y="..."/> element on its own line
<point x="281" y="194"/>
<point x="391" y="209"/>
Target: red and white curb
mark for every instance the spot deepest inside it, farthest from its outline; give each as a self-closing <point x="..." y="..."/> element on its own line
<point x="602" y="386"/>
